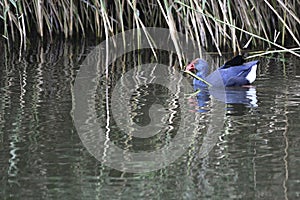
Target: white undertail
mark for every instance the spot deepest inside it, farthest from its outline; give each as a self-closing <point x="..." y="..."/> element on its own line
<point x="252" y="74"/>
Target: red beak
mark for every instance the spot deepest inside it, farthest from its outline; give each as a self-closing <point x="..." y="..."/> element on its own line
<point x="191" y="66"/>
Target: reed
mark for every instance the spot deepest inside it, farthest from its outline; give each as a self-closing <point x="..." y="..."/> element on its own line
<point x="217" y="25"/>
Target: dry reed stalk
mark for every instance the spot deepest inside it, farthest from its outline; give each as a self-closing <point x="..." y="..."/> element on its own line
<point x="224" y="24"/>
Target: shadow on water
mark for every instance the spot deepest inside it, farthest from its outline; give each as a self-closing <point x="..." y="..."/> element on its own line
<point x="41" y="156"/>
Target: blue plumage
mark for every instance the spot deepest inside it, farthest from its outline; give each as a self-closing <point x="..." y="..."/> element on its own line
<point x="233" y="73"/>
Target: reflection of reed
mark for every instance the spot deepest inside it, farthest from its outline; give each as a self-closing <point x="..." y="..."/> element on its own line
<point x="35" y="105"/>
<point x="139" y="104"/>
<point x="14" y="159"/>
<point x="286" y="140"/>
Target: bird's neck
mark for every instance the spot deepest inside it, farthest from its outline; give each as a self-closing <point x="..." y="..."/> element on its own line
<point x="201" y="75"/>
<point x="199" y="83"/>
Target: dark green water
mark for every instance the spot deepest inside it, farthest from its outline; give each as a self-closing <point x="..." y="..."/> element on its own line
<point x="256" y="155"/>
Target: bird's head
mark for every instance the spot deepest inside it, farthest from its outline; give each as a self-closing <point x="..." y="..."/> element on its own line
<point x="199" y="66"/>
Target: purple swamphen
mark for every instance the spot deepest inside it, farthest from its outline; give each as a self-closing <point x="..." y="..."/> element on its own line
<point x="235" y="72"/>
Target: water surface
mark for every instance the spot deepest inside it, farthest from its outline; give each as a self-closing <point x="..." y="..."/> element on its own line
<point x="256" y="155"/>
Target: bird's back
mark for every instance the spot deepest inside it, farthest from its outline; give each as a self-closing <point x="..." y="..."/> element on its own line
<point x="222" y="76"/>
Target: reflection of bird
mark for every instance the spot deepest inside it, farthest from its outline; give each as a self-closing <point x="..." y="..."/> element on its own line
<point x="235" y="72"/>
<point x="236" y="95"/>
<point x="245" y="96"/>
